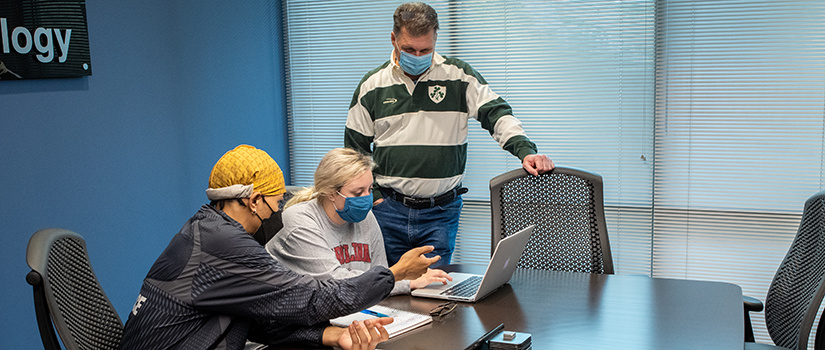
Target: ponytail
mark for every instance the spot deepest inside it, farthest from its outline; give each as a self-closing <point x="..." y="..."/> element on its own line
<point x="303" y="195"/>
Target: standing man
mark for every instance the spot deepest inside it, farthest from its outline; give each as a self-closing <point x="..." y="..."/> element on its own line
<point x="414" y="109"/>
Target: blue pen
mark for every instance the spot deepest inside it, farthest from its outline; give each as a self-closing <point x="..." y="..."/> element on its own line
<point x="377" y="314"/>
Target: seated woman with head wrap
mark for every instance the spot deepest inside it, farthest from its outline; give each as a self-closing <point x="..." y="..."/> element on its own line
<point x="214" y="282"/>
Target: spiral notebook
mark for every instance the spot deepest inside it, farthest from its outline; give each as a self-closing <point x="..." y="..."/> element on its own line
<point x="403" y="321"/>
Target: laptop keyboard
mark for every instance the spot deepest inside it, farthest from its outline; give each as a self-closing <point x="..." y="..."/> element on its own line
<point x="465" y="289"/>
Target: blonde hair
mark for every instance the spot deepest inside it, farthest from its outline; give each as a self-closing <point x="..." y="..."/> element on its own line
<point x="338" y="167"/>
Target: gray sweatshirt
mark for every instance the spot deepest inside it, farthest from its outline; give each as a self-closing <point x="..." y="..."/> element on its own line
<point x="310" y="243"/>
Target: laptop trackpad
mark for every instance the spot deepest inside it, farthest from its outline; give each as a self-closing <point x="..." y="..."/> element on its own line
<point x="458" y="277"/>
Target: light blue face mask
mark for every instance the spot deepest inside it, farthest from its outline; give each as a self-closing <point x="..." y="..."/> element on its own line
<point x="414" y="65"/>
<point x="355" y="208"/>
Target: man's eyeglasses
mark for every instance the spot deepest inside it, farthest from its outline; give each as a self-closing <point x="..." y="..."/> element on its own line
<point x="443" y="309"/>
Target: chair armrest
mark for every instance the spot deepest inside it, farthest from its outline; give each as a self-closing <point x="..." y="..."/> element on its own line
<point x="41" y="310"/>
<point x="752" y="304"/>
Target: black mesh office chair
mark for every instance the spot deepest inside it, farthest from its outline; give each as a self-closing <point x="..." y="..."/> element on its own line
<point x="798" y="286"/>
<point x="567" y="207"/>
<point x="68" y="295"/>
<point x="290" y="192"/>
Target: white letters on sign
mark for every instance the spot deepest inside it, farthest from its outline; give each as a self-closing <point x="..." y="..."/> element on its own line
<point x="43" y="40"/>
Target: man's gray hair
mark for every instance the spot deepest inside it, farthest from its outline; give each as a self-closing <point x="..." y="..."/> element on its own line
<point x="418" y="17"/>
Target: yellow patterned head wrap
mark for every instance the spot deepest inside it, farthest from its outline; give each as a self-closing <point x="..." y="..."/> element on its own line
<point x="245" y="165"/>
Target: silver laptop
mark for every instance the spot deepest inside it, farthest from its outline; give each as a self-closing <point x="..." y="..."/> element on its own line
<point x="471" y="287"/>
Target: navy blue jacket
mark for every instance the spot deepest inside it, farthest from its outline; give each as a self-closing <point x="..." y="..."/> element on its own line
<point x="214" y="281"/>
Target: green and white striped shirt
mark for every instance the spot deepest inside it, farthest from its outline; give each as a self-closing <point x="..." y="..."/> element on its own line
<point x="419" y="129"/>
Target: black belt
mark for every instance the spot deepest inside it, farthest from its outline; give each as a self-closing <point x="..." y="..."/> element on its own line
<point x="424" y="203"/>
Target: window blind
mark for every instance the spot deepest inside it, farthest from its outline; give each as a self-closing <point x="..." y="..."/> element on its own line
<point x="579" y="76"/>
<point x="739" y="136"/>
<point x="329" y="46"/>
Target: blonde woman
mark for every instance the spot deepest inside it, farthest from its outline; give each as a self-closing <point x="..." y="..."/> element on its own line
<point x="329" y="230"/>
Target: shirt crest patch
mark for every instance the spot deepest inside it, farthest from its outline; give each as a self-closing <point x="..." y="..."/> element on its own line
<point x="437" y="92"/>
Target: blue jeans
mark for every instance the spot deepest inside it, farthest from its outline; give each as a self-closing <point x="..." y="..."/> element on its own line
<point x="405" y="228"/>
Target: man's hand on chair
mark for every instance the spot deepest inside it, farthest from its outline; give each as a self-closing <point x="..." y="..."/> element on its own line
<point x="537" y="164"/>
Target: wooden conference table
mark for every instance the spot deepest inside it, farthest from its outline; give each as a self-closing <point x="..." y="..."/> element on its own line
<point x="566" y="310"/>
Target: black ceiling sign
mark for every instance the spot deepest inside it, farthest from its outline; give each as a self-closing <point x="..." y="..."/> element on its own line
<point x="43" y="39"/>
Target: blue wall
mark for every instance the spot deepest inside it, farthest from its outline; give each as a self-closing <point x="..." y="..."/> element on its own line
<point x="122" y="157"/>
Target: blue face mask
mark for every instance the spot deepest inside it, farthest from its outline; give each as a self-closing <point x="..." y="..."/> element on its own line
<point x="414" y="65"/>
<point x="355" y="208"/>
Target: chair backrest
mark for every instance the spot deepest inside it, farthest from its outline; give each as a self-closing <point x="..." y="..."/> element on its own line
<point x="567" y="207"/>
<point x="68" y="295"/>
<point x="290" y="192"/>
<point x="799" y="284"/>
